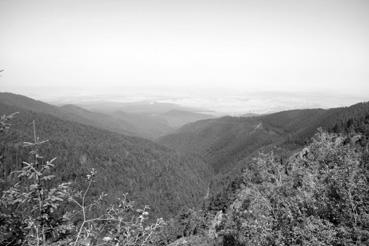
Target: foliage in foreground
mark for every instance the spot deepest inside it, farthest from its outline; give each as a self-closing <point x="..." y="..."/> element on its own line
<point x="34" y="211"/>
<point x="318" y="197"/>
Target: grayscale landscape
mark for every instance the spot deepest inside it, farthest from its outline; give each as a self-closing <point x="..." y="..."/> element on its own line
<point x="184" y="123"/>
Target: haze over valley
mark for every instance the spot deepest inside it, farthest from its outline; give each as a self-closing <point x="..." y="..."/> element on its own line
<point x="184" y="123"/>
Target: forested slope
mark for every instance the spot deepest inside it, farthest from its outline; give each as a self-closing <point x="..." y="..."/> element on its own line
<point x="150" y="173"/>
<point x="222" y="141"/>
<point x="225" y="141"/>
<point x="316" y="196"/>
<point x="69" y="112"/>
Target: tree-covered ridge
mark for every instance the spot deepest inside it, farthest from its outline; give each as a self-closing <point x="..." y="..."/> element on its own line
<point x="222" y="141"/>
<point x="133" y="119"/>
<point x="35" y="211"/>
<point x="225" y="141"/>
<point x="150" y="173"/>
<point x="319" y="196"/>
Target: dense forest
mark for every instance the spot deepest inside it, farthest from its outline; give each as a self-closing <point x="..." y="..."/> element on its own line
<point x="150" y="173"/>
<point x="297" y="177"/>
<point x="319" y="196"/>
<point x="223" y="142"/>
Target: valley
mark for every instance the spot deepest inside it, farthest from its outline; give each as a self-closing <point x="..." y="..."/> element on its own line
<point x="198" y="165"/>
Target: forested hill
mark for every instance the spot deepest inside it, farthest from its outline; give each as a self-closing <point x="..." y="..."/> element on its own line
<point x="317" y="196"/>
<point x="68" y="112"/>
<point x="224" y="141"/>
<point x="301" y="125"/>
<point x="134" y="119"/>
<point x="150" y="173"/>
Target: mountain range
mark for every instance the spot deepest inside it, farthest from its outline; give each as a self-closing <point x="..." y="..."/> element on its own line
<point x="186" y="163"/>
<point x="145" y="120"/>
<point x="222" y="142"/>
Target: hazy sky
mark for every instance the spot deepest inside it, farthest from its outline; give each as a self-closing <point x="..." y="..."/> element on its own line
<point x="187" y="50"/>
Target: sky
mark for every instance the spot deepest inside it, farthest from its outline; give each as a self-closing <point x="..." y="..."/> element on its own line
<point x="231" y="56"/>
